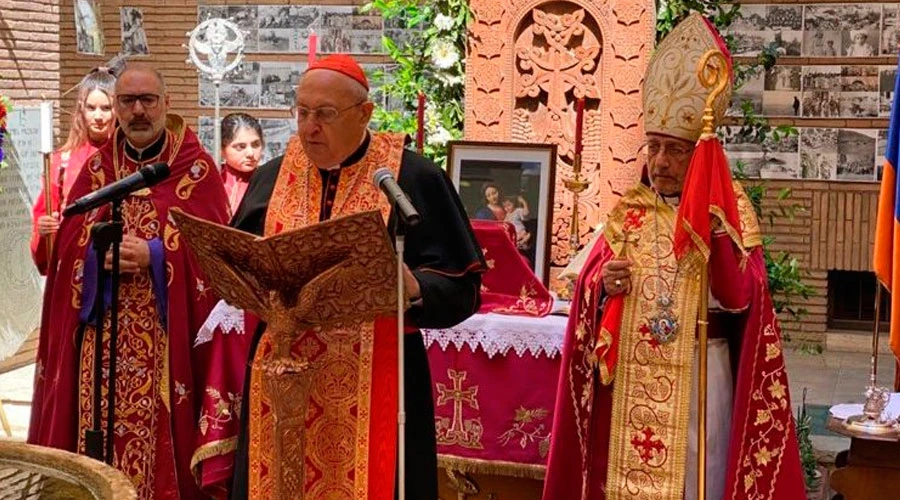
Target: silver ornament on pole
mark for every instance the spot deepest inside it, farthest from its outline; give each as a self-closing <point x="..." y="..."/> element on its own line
<point x="211" y="45"/>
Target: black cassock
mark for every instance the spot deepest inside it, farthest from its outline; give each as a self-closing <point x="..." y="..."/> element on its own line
<point x="443" y="241"/>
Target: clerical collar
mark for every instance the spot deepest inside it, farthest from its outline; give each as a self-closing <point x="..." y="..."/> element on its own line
<point x="151" y="151"/>
<point x="357" y="155"/>
<point x="672" y="201"/>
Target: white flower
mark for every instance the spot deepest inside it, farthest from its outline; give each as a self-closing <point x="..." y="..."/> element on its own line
<point x="439" y="137"/>
<point x="448" y="79"/>
<point x="443" y="23"/>
<point x="444" y="54"/>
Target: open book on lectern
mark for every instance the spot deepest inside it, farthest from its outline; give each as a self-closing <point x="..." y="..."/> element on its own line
<point x="338" y="270"/>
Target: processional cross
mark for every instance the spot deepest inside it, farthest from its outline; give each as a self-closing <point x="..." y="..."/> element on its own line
<point x="210" y="45"/>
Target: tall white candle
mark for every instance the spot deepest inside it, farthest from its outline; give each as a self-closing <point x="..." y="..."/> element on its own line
<point x="46" y="127"/>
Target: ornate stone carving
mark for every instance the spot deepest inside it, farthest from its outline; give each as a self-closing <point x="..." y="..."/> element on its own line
<point x="530" y="59"/>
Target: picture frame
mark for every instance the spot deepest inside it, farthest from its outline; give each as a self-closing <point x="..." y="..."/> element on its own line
<point x="523" y="176"/>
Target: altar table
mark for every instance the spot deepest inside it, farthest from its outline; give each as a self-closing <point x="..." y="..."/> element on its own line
<point x="494" y="382"/>
<point x="872" y="471"/>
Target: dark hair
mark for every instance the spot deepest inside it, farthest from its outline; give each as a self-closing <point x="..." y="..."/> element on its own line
<point x="233" y="122"/>
<point x="487" y="185"/>
<point x="98" y="79"/>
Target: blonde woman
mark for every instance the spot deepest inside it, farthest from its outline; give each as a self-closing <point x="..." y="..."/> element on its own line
<point x="92" y="125"/>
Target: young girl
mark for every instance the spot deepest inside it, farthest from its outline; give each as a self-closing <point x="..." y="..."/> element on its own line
<point x="242" y="143"/>
<point x="92" y="125"/>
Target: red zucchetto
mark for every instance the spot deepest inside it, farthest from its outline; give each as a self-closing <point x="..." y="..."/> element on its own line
<point x="344" y="64"/>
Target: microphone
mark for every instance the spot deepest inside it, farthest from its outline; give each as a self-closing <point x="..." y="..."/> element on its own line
<point x="147" y="176"/>
<point x="384" y="179"/>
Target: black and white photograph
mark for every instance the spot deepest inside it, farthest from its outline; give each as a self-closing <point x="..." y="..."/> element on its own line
<point x="242" y="92"/>
<point x="856" y="155"/>
<point x="275" y="17"/>
<point x="275" y="40"/>
<point x="761" y="26"/>
<point x="786" y="24"/>
<point x="240" y="95"/>
<point x="859" y="105"/>
<point x="206" y="134"/>
<point x="247" y="73"/>
<point x="750" y="92"/>
<point x="781" y="103"/>
<point x="278" y="83"/>
<point x="779" y="166"/>
<point x="134" y="39"/>
<point x="822" y="31"/>
<point x="818" y="153"/>
<point x="887" y="76"/>
<point x="784" y="144"/>
<point x="88" y="33"/>
<point x="333" y="41"/>
<point x="365" y="41"/>
<point x="859" y="78"/>
<point x="890" y="29"/>
<point x="246" y="17"/>
<point x="509" y="182"/>
<point x="304" y="17"/>
<point x="744" y="153"/>
<point x="821" y="92"/>
<point x="277" y="133"/>
<point x="783" y="78"/>
<point x="821" y="78"/>
<point x="207" y="12"/>
<point x="880" y="152"/>
<point x="861" y="24"/>
<point x="821" y="104"/>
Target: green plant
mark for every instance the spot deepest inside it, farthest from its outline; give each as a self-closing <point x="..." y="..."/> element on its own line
<point x="785" y="275"/>
<point x="803" y="424"/>
<point x="432" y="62"/>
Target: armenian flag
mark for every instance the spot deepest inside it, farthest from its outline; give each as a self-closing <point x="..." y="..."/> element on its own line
<point x="886" y="259"/>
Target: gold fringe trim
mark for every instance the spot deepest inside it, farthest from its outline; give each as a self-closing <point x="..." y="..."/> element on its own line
<point x="211" y="449"/>
<point x="493" y="467"/>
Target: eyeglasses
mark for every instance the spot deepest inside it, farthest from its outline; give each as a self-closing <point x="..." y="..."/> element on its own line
<point x="148" y="101"/>
<point x="673" y="150"/>
<point x="324" y="114"/>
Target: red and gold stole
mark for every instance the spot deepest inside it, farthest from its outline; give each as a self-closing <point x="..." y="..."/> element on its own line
<point x="347" y="447"/>
<point x="651" y="393"/>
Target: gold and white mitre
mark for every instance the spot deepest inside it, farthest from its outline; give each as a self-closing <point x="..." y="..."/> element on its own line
<point x="674" y="98"/>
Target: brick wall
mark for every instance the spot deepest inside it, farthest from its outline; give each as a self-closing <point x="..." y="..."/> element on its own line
<point x="833" y="229"/>
<point x="29" y="50"/>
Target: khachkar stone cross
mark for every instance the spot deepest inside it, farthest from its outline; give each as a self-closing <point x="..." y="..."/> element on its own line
<point x="210" y="46"/>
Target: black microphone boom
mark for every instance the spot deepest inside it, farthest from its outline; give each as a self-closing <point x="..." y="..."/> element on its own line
<point x="384" y="179"/>
<point x="147" y="176"/>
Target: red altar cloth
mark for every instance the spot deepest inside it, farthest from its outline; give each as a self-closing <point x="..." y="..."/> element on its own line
<point x="494" y="388"/>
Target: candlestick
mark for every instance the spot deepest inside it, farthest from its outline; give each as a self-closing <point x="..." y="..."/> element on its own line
<point x="420" y="124"/>
<point x="579" y="125"/>
<point x="311" y="47"/>
<point x="46" y="117"/>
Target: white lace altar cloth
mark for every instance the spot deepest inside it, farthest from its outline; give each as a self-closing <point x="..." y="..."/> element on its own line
<point x="499" y="334"/>
<point x="225" y="318"/>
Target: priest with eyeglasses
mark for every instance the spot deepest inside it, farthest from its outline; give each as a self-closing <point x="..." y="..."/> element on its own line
<point x="163" y="300"/>
<point x="327" y="172"/>
<point x="625" y="421"/>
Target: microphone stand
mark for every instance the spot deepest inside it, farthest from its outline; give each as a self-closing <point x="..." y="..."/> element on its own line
<point x="103" y="235"/>
<point x="399" y="227"/>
